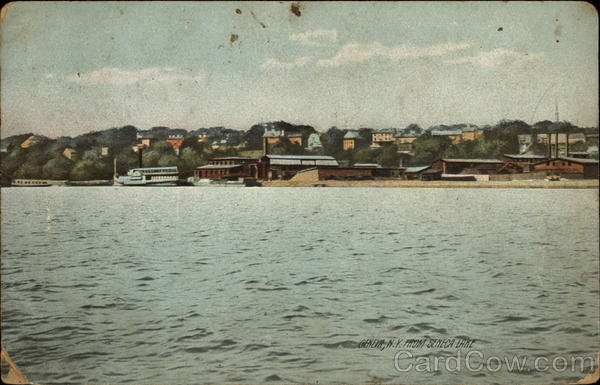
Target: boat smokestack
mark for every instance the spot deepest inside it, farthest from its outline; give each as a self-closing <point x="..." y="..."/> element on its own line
<point x="549" y="147"/>
<point x="140" y="151"/>
<point x="567" y="143"/>
<point x="556" y="143"/>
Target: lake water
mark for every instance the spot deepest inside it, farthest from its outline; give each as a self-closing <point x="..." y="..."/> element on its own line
<point x="254" y="285"/>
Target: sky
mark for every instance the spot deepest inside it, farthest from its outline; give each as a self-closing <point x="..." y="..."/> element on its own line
<point x="72" y="67"/>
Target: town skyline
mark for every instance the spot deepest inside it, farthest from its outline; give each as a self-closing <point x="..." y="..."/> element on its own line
<point x="347" y="65"/>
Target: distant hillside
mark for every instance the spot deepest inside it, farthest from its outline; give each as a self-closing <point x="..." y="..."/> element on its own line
<point x="90" y="156"/>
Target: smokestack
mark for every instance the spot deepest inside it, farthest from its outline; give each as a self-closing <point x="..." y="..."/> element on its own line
<point x="140" y="150"/>
<point x="567" y="144"/>
<point x="549" y="150"/>
<point x="556" y="143"/>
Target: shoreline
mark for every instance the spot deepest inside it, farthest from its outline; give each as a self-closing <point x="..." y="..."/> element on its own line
<point x="540" y="184"/>
<point x="568" y="184"/>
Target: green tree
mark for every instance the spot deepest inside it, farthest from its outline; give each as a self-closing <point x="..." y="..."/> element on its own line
<point x="92" y="155"/>
<point x="167" y="160"/>
<point x="57" y="168"/>
<point x="428" y="148"/>
<point x="334" y="141"/>
<point x="254" y="137"/>
<point x="163" y="148"/>
<point x="150" y="158"/>
<point x="90" y="170"/>
<point x="366" y="136"/>
<point x="189" y="159"/>
<point x="285" y="147"/>
<point x="126" y="160"/>
<point x="28" y="170"/>
<point x="388" y="156"/>
<point x="366" y="155"/>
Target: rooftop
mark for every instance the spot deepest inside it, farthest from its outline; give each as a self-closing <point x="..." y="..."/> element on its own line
<point x="214" y="166"/>
<point x="144" y="135"/>
<point x="366" y="165"/>
<point x="407" y="135"/>
<point x="302" y="157"/>
<point x="273" y="133"/>
<point x="351" y="135"/>
<point x="233" y="158"/>
<point x="384" y="131"/>
<point x="416" y="169"/>
<point x="472" y="160"/>
<point x="446" y="132"/>
<point x="578" y="160"/>
<point x="525" y="156"/>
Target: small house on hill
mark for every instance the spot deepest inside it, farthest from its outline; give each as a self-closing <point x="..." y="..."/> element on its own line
<point x="31" y="141"/>
<point x="383" y="136"/>
<point x="70" y="153"/>
<point x="350" y="140"/>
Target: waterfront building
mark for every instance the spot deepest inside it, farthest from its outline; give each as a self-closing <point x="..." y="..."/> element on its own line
<point x="523" y="161"/>
<point x="468" y="166"/>
<point x="569" y="167"/>
<point x="423" y="173"/>
<point x="324" y="172"/>
<point x="286" y="166"/>
<point x="232" y="167"/>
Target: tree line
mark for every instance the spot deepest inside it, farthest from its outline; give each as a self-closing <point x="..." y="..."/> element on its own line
<point x="44" y="158"/>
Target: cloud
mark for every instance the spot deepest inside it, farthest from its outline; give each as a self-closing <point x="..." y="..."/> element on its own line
<point x="496" y="57"/>
<point x="315" y="37"/>
<point x="276" y="63"/>
<point x="120" y="77"/>
<point x="361" y="52"/>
